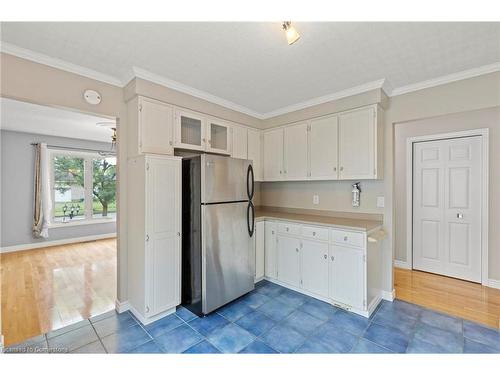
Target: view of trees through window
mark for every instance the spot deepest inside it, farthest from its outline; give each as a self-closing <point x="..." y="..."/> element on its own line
<point x="81" y="179"/>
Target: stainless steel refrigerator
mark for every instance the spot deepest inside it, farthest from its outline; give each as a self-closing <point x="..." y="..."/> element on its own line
<point x="218" y="256"/>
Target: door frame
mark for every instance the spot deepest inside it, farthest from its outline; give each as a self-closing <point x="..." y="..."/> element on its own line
<point x="484" y="134"/>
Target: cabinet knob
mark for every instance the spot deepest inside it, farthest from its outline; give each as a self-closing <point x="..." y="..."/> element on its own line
<point x="281" y="172"/>
<point x="341" y="168"/>
<point x="314" y="233"/>
<point x="345" y="238"/>
<point x="333" y="258"/>
<point x="272" y="232"/>
<point x="204" y="140"/>
<point x="325" y="256"/>
<point x="335" y="169"/>
<point x="170" y="143"/>
<point x="297" y="249"/>
<point x="287" y="229"/>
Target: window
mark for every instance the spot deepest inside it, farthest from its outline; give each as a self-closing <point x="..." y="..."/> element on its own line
<point x="84" y="186"/>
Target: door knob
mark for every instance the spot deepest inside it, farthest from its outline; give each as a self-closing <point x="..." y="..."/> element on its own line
<point x="460" y="216"/>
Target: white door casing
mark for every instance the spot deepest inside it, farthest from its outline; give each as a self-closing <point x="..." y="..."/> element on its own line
<point x="447" y="189"/>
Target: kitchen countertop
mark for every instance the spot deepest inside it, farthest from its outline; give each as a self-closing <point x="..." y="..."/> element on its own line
<point x="331" y="221"/>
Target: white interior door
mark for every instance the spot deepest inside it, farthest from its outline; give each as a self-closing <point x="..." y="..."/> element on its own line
<point x="447" y="185"/>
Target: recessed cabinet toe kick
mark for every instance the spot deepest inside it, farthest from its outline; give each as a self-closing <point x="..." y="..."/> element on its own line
<point x="338" y="266"/>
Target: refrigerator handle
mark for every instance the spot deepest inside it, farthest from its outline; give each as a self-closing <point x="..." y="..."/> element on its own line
<point x="250" y="177"/>
<point x="252" y="222"/>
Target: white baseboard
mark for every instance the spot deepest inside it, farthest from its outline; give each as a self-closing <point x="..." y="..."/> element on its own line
<point x="389" y="296"/>
<point x="121" y="307"/>
<point x="38" y="245"/>
<point x="492" y="283"/>
<point x="145" y="321"/>
<point x="401" y="264"/>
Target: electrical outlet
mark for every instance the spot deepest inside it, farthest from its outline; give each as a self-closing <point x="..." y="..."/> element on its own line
<point x="380" y="202"/>
<point x="315" y="199"/>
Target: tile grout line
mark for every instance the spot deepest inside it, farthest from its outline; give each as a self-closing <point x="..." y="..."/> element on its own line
<point x="98" y="336"/>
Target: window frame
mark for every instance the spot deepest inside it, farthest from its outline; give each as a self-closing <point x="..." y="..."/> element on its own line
<point x="88" y="217"/>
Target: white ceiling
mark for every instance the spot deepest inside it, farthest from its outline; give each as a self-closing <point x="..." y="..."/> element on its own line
<point x="251" y="65"/>
<point x="32" y="118"/>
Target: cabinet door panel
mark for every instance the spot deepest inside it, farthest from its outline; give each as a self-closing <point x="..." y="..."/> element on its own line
<point x="240" y="143"/>
<point x="289" y="260"/>
<point x="163" y="239"/>
<point x="259" y="250"/>
<point x="219" y="137"/>
<point x="295" y="152"/>
<point x="347" y="275"/>
<point x="255" y="153"/>
<point x="273" y="155"/>
<point x="323" y="148"/>
<point x="357" y="137"/>
<point x="190" y="130"/>
<point x="315" y="267"/>
<point x="270" y="250"/>
<point x="156" y="127"/>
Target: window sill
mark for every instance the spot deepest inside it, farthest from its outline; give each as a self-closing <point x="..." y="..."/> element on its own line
<point x="76" y="223"/>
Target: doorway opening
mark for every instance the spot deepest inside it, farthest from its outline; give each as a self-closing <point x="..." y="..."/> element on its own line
<point x="59" y="209"/>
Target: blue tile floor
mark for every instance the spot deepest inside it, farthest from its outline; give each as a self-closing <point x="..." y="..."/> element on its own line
<point x="273" y="319"/>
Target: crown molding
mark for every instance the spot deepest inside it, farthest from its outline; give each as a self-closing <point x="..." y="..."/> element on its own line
<point x="40" y="58"/>
<point x="137" y="72"/>
<point x="174" y="85"/>
<point x="326" y="98"/>
<point x="438" y="81"/>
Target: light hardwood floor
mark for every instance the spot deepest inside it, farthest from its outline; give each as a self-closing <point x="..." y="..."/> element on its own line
<point x="46" y="289"/>
<point x="460" y="298"/>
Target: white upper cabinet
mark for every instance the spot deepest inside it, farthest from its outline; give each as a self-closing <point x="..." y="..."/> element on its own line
<point x="240" y="142"/>
<point x="273" y="155"/>
<point x="219" y="136"/>
<point x="358" y="149"/>
<point x="190" y="129"/>
<point x="150" y="127"/>
<point x="254" y="146"/>
<point x="295" y="152"/>
<point x="323" y="148"/>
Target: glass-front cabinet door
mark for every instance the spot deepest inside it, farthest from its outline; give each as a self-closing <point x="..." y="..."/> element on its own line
<point x="190" y="130"/>
<point x="219" y="136"/>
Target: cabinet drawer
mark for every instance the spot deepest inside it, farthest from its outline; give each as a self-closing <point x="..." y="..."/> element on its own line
<point x="348" y="238"/>
<point x="315" y="233"/>
<point x="287" y="228"/>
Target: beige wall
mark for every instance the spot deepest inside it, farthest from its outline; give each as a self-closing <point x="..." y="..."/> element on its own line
<point x="486" y="118"/>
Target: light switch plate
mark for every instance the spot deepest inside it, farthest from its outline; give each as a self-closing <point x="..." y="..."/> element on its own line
<point x="315" y="199"/>
<point x="380" y="202"/>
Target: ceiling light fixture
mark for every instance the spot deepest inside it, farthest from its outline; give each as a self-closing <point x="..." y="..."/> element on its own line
<point x="112" y="126"/>
<point x="291" y="34"/>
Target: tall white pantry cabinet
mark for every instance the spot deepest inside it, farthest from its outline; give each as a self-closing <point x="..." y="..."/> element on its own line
<point x="154" y="236"/>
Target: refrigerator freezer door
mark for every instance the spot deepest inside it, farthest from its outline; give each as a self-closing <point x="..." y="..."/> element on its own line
<point x="228" y="254"/>
<point x="224" y="179"/>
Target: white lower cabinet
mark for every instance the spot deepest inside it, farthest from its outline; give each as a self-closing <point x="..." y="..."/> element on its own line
<point x="347" y="276"/>
<point x="315" y="267"/>
<point x="288" y="260"/>
<point x="337" y="266"/>
<point x="270" y="269"/>
<point x="259" y="238"/>
<point x="154" y="255"/>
